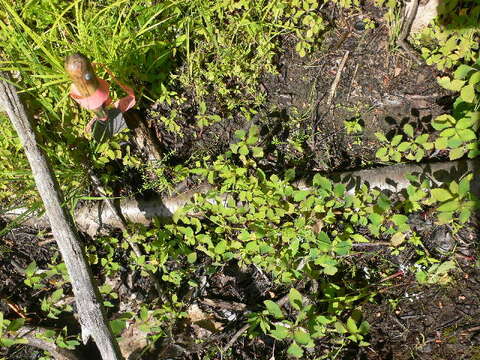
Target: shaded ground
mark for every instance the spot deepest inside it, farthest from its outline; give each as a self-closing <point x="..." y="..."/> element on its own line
<point x="303" y="126"/>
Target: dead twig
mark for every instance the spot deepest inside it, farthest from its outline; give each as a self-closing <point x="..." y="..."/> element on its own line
<point x="351" y="82"/>
<point x="337" y="78"/>
<point x="236" y="336"/>
<point x="30" y="334"/>
<point x="407" y="24"/>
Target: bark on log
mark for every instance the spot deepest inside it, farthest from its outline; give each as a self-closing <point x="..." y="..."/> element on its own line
<point x="93" y="216"/>
<point x="391" y="179"/>
<point x="89" y="302"/>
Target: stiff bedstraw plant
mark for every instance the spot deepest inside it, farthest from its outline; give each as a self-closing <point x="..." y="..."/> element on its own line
<point x="298" y="235"/>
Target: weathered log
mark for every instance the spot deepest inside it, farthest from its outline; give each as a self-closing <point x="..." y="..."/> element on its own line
<point x="93" y="216"/>
<point x="89" y="302"/>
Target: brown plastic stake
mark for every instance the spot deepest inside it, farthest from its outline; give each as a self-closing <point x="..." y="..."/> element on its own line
<point x="81" y="72"/>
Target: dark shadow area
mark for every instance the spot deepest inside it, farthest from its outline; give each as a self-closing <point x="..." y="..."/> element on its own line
<point x="459" y="14"/>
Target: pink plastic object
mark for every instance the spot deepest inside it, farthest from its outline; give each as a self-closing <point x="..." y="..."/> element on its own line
<point x="101" y="97"/>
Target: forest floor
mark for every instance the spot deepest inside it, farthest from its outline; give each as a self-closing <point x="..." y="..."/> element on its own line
<point x="303" y="126"/>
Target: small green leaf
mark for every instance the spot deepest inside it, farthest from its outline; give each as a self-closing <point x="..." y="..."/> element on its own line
<point x="380" y="136"/>
<point x="466" y="134"/>
<point x="323" y="182"/>
<point x="220" y="247"/>
<point x="396" y="140"/>
<point x="463" y="71"/>
<point x="243" y="150"/>
<point x="454" y="142"/>
<point x="441" y="143"/>
<point x="404" y="146"/>
<point x="117" y="326"/>
<point x="465" y="123"/>
<point x="441" y="194"/>
<point x="300" y="195"/>
<point x="302" y="337"/>
<point x="421" y="276"/>
<point x="448" y="132"/>
<point x="419" y="155"/>
<point x="15" y="324"/>
<point x="375" y="218"/>
<point x="295" y="299"/>
<point x="340" y="327"/>
<point x="257" y="152"/>
<point x="324" y="242"/>
<point x="295" y="350"/>
<point x="359" y="238"/>
<point x="192" y="257"/>
<point x="443" y="121"/>
<point x="330" y="270"/>
<point x="273" y="309"/>
<point x="475" y="78"/>
<point x="449" y="206"/>
<point x="408" y="129"/>
<point x="468" y="93"/>
<point x="421" y="139"/>
<point x="381" y="153"/>
<point x="445" y="267"/>
<point x="457" y="153"/>
<point x="240" y="134"/>
<point x="453" y="85"/>
<point x="339" y="189"/>
<point x="352" y="326"/>
<point x="31" y="268"/>
<point x="464" y="186"/>
<point x="6" y="342"/>
<point x="364" y="328"/>
<point x="280" y="332"/>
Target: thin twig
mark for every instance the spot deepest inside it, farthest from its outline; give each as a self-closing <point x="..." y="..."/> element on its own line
<point x="351" y="82"/>
<point x="30" y="334"/>
<point x="337" y="78"/>
<point x="236" y="336"/>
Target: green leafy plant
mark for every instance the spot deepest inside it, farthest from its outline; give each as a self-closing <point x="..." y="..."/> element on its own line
<point x="9" y="327"/>
<point x="412" y="148"/>
<point x="456" y="200"/>
<point x="307" y="324"/>
<point x="451" y="39"/>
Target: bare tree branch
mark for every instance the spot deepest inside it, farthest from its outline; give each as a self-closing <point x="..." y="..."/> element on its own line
<point x="89" y="303"/>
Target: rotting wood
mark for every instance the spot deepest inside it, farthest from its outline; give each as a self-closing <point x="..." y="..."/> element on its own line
<point x="143" y="136"/>
<point x="92" y="217"/>
<point x="89" y="302"/>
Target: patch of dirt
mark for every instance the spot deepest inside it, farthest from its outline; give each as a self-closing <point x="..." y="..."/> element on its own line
<point x="18" y="249"/>
<point x="381" y="88"/>
<point x="428" y="323"/>
<point x="303" y="118"/>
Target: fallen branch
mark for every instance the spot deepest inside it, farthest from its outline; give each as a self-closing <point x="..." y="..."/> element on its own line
<point x="34" y="338"/>
<point x="88" y="299"/>
<point x="92" y="217"/>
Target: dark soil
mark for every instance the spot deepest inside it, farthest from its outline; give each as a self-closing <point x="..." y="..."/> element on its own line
<point x="301" y="128"/>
